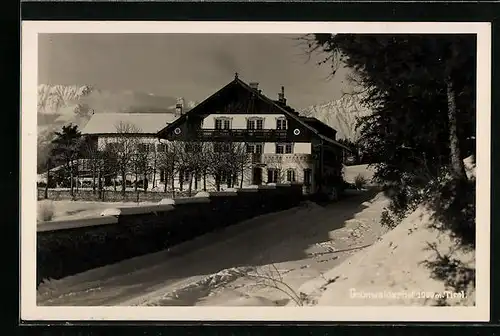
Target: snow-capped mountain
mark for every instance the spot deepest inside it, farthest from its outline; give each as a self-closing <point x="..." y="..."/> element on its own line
<point x="59" y="105"/>
<point x="340" y="114"/>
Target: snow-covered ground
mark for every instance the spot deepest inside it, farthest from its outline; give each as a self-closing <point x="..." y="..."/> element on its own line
<point x="235" y="266"/>
<point x="350" y="173"/>
<point x="392" y="271"/>
<point x="308" y="255"/>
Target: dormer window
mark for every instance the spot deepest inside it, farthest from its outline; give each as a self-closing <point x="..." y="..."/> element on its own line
<point x="222" y="123"/>
<point x="255" y="123"/>
<point x="281" y="124"/>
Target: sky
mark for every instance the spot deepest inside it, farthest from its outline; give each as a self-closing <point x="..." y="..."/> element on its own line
<point x="188" y="65"/>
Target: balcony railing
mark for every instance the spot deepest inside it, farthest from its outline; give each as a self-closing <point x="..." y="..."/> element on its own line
<point x="256" y="158"/>
<point x="273" y="159"/>
<point x="241" y="134"/>
<point x="286" y="158"/>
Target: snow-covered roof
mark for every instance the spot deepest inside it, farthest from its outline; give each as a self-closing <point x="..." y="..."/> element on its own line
<point x="147" y="123"/>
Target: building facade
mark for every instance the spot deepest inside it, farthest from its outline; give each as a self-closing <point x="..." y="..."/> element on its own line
<point x="238" y="136"/>
<point x="282" y="146"/>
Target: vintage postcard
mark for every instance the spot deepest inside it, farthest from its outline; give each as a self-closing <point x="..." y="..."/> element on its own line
<point x="271" y="171"/>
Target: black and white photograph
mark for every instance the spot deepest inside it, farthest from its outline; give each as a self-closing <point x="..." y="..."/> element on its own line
<point x="253" y="171"/>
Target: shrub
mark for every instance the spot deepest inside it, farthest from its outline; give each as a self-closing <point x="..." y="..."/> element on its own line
<point x="453" y="206"/>
<point x="46" y="211"/>
<point x="360" y="181"/>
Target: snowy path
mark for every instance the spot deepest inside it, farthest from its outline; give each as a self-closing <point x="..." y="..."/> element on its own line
<point x="300" y="243"/>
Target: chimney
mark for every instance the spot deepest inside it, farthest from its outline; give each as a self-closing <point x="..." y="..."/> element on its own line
<point x="179" y="107"/>
<point x="254" y="85"/>
<point x="281" y="96"/>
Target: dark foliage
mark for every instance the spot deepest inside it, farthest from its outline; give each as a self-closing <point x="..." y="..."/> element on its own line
<point x="403" y="79"/>
<point x="421" y="89"/>
<point x="456" y="274"/>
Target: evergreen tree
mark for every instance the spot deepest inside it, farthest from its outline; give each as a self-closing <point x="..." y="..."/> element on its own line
<point x="66" y="147"/>
<point x="421" y="89"/>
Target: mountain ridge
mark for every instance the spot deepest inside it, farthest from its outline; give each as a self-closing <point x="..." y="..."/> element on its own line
<point x="341" y="114"/>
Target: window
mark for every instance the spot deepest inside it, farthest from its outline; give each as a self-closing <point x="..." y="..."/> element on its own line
<point x="114" y="147"/>
<point x="284" y="148"/>
<point x="185" y="175"/>
<point x="161" y="148"/>
<point x="255" y="148"/>
<point x="255" y="123"/>
<point x="143" y="148"/>
<point x="307" y="176"/>
<point x="290" y="175"/>
<point x="221" y="147"/>
<point x="281" y="124"/>
<point x="162" y="175"/>
<point x="222" y="123"/>
<point x="272" y="175"/>
<point x="190" y="147"/>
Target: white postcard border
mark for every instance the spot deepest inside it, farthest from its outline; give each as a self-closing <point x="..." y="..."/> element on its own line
<point x="29" y="71"/>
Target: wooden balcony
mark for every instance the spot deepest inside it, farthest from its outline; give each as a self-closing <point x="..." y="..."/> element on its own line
<point x="256" y="158"/>
<point x="270" y="159"/>
<point x="268" y="135"/>
<point x="278" y="159"/>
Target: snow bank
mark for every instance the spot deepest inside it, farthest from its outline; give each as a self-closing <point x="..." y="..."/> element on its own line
<point x="350" y="172"/>
<point x="391" y="272"/>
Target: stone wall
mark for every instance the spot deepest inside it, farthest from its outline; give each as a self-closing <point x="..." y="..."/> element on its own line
<point x="109" y="195"/>
<point x="69" y="247"/>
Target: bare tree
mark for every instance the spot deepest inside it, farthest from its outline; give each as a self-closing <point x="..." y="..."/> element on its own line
<point x="239" y="161"/>
<point x="204" y="163"/>
<point x="220" y="163"/>
<point x="141" y="164"/>
<point x="170" y="160"/>
<point x="66" y="146"/>
<point x="124" y="148"/>
<point x="92" y="155"/>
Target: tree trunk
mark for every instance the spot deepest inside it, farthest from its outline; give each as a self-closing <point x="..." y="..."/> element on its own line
<point x="181" y="180"/>
<point x="99" y="183"/>
<point x="71" y="182"/>
<point x="457" y="165"/>
<point x="196" y="181"/>
<point x="124" y="182"/>
<point x="165" y="181"/>
<point x="173" y="184"/>
<point x="204" y="181"/>
<point x="93" y="179"/>
<point x="145" y="182"/>
<point x="217" y="182"/>
<point x="190" y="186"/>
<point x="242" y="173"/>
<point x="154" y="172"/>
<point x="46" y="192"/>
<point x="77" y="171"/>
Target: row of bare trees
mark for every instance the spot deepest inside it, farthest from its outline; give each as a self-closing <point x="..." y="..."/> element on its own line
<point x="126" y="160"/>
<point x="183" y="165"/>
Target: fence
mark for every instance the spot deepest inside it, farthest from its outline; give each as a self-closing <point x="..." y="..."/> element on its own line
<point x="69" y="247"/>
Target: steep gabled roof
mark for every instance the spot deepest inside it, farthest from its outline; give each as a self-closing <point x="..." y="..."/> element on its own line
<point x="146" y="123"/>
<point x="320" y="126"/>
<point x="285" y="109"/>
